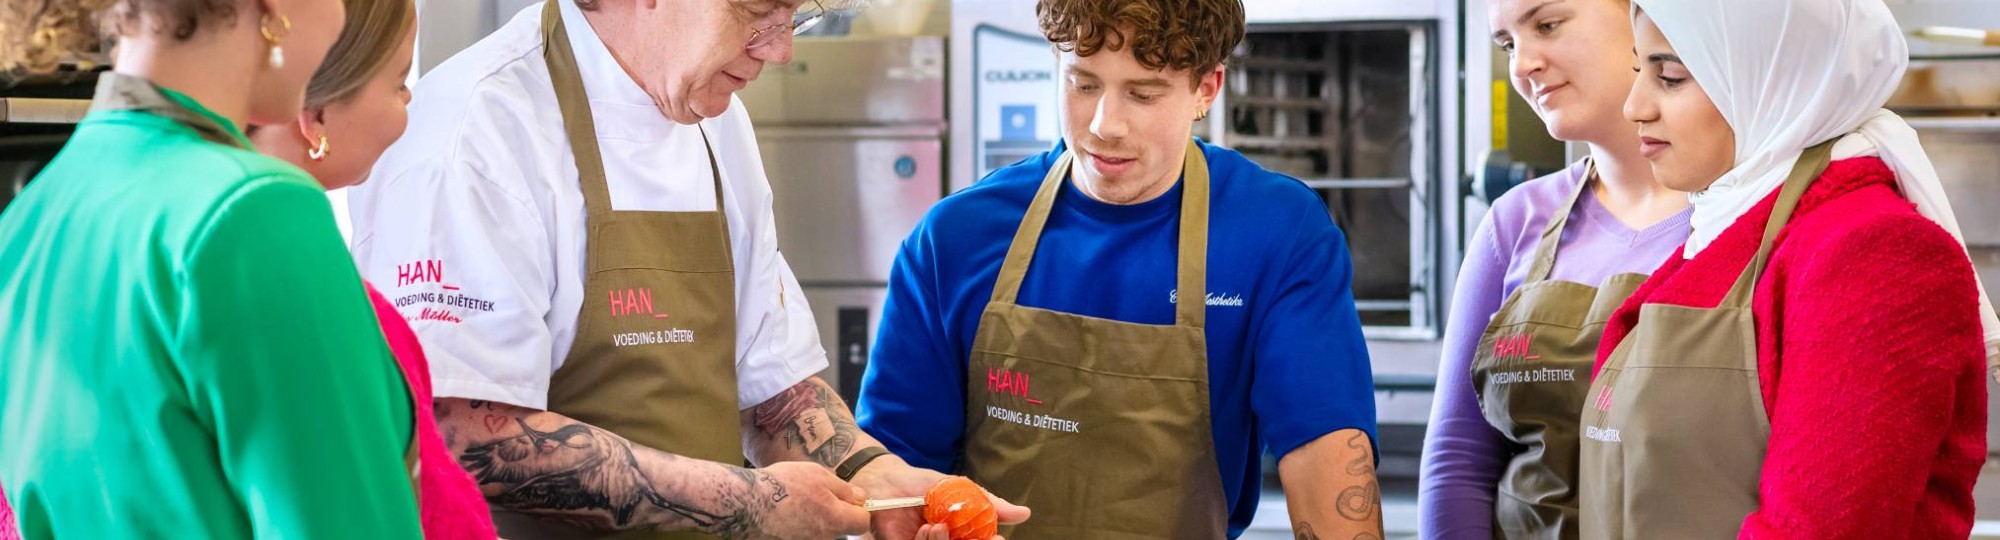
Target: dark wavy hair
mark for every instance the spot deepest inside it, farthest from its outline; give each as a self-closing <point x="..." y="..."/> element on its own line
<point x="1178" y="35"/>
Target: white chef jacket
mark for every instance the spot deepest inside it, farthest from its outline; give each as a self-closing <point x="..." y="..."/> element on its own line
<point x="473" y="222"/>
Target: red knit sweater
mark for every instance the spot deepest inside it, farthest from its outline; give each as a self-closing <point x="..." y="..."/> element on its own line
<point x="449" y="504"/>
<point x="1869" y="354"/>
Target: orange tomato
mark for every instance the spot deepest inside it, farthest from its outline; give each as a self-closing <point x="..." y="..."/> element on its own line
<point x="960" y="504"/>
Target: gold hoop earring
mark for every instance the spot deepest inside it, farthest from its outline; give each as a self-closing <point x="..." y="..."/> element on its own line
<point x="277" y="59"/>
<point x="318" y="153"/>
<point x="1201" y="115"/>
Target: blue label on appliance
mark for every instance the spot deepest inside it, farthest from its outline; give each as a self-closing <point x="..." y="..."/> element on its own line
<point x="1017" y="122"/>
<point x="906" y="167"/>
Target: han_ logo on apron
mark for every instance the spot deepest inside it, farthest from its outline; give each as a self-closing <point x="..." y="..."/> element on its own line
<point x="654" y="357"/>
<point x="638" y="302"/>
<point x="1676" y="429"/>
<point x="1531" y="371"/>
<point x="1101" y="426"/>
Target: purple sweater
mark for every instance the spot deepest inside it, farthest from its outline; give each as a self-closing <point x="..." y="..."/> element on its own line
<point x="1463" y="455"/>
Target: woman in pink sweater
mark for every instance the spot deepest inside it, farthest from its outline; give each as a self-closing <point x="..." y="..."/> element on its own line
<point x="355" y="107"/>
<point x="1810" y="365"/>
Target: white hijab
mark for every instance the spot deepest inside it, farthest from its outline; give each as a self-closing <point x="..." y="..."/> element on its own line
<point x="1790" y="74"/>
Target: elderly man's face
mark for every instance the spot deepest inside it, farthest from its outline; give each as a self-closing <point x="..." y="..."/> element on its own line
<point x="705" y="51"/>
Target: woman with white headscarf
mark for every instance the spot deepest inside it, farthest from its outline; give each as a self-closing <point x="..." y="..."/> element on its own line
<point x="1810" y="366"/>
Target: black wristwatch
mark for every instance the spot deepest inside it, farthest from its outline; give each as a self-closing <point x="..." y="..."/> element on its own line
<point x="853" y="464"/>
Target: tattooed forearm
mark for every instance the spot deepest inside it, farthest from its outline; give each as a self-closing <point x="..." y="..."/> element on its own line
<point x="1304" y="531"/>
<point x="561" y="469"/>
<point x="576" y="467"/>
<point x="1359" y="503"/>
<point x="1363" y="463"/>
<point x="807" y="421"/>
<point x="1331" y="489"/>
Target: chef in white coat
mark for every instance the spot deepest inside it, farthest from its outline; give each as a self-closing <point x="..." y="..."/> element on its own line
<point x="578" y="227"/>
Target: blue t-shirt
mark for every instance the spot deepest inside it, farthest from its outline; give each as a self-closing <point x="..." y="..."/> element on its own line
<point x="1286" y="359"/>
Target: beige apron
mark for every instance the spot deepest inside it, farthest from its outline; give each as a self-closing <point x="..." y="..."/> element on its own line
<point x="1531" y="371"/>
<point x="654" y="358"/>
<point x="1675" y="428"/>
<point x="117" y="91"/>
<point x="1101" y="426"/>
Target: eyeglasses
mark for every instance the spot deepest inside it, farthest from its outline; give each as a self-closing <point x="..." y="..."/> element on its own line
<point x="802" y="20"/>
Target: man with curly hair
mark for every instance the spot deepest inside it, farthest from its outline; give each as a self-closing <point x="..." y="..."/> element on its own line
<point x="1109" y="332"/>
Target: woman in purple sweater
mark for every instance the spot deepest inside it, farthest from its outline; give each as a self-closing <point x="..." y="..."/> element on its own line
<point x="1542" y="273"/>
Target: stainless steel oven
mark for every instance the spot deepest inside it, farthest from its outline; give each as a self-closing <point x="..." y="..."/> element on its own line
<point x="37" y="115"/>
<point x="853" y="137"/>
<point x="1358" y="100"/>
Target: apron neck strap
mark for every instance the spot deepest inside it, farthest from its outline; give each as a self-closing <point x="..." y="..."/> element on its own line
<point x="1545" y="248"/>
<point x="578" y="123"/>
<point x="1007" y="288"/>
<point x="1191" y="268"/>
<point x="574" y="103"/>
<point x="715" y="177"/>
<point x="1811" y="163"/>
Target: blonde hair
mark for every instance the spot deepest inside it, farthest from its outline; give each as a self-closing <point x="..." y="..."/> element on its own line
<point x="374" y="29"/>
<point x="36" y="36"/>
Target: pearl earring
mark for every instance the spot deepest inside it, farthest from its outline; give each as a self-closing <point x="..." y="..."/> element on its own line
<point x="277" y="59"/>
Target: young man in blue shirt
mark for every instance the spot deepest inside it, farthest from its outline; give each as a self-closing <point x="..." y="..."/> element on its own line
<point x="1110" y="332"/>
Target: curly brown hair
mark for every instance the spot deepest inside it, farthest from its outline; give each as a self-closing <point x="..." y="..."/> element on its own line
<point x="1178" y="35"/>
<point x="37" y="35"/>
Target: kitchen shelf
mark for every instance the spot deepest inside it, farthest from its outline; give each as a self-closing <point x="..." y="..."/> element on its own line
<point x="1279" y="143"/>
<point x="1381" y="305"/>
<point x="1284" y="64"/>
<point x="1314" y="103"/>
<point x="1398" y="333"/>
<point x="1959" y="123"/>
<point x="1406" y="382"/>
<point x="1991" y="54"/>
<point x="42" y="110"/>
<point x="1357" y="183"/>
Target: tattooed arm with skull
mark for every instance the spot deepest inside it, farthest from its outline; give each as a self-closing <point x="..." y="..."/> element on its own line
<point x="561" y="469"/>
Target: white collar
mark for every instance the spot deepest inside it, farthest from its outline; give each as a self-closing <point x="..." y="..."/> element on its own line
<point x="603" y="78"/>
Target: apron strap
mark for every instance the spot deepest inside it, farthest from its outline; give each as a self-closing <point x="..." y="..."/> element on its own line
<point x="1545" y="248"/>
<point x="575" y="106"/>
<point x="1191" y="269"/>
<point x="581" y="127"/>
<point x="1811" y="163"/>
<point x="715" y="175"/>
<point x="1007" y="287"/>
<point x="1193" y="258"/>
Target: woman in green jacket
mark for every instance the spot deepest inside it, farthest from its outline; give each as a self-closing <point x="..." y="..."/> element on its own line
<point x="188" y="351"/>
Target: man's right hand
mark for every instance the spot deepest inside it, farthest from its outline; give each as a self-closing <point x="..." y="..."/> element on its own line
<point x="807" y="501"/>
